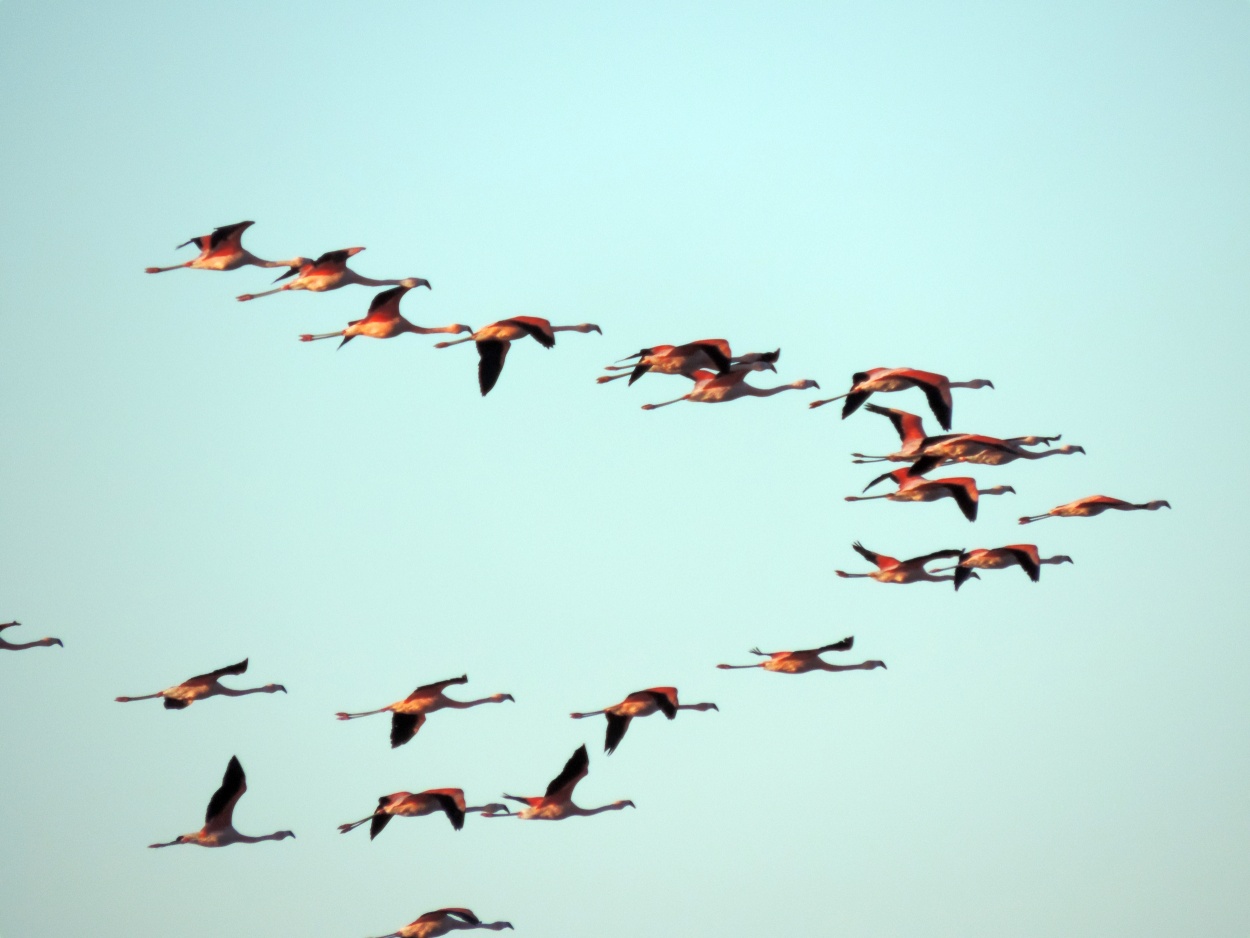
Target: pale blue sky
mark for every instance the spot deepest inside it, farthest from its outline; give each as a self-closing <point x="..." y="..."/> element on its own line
<point x="1053" y="196"/>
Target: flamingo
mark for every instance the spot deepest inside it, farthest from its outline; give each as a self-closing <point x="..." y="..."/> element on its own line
<point x="223" y="250"/>
<point x="1025" y="556"/>
<point x="641" y="703"/>
<point x="19" y="646"/>
<point x="557" y="803"/>
<point x="409" y="804"/>
<point x="383" y="320"/>
<point x="1092" y="505"/>
<point x="892" y="570"/>
<point x="218" y="829"/>
<point x="914" y="488"/>
<point x="801" y="662"/>
<point x="181" y="696"/>
<point x="493" y="342"/>
<point x="982" y="450"/>
<point x="916" y="442"/>
<point x="408" y="715"/>
<point x="328" y="272"/>
<point x="714" y="389"/>
<point x="937" y="388"/>
<point x="442" y="921"/>
<point x="685" y="360"/>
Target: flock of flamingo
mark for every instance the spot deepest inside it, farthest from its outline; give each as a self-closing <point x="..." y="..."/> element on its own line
<point x="718" y="376"/>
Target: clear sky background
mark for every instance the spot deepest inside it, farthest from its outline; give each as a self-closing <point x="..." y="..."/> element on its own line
<point x="1050" y="195"/>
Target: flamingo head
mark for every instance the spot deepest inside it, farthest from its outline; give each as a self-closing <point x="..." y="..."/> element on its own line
<point x="500" y="698"/>
<point x="1064" y="558"/>
<point x="274" y="688"/>
<point x="804" y="384"/>
<point x="1156" y="505"/>
<point x="413" y="282"/>
<point x="1067" y="448"/>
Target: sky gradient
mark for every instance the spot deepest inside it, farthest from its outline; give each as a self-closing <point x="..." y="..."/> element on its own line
<point x="1052" y="196"/>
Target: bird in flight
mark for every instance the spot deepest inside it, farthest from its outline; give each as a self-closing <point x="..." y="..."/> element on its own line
<point x="181" y="696"/>
<point x="408" y="715"/>
<point x="19" y="646"/>
<point x="914" y="488"/>
<point x="892" y="570"/>
<point x="223" y="250"/>
<point x="1092" y="505"/>
<point x="218" y="829"/>
<point x="717" y="388"/>
<point x="917" y="443"/>
<point x="557" y="803"/>
<point x="1024" y="556"/>
<point x="685" y="360"/>
<point x="493" y="342"/>
<point x="641" y="703"/>
<point x="936" y="388"/>
<point x="801" y="662"/>
<point x="383" y="320"/>
<point x="444" y="921"/>
<point x="450" y="801"/>
<point x="327" y="272"/>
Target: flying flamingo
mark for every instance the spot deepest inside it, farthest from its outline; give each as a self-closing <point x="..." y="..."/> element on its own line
<point x="222" y="250"/>
<point x="557" y="803"/>
<point x="937" y="388"/>
<point x="714" y="389"/>
<point x="685" y="360"/>
<point x="641" y="703"/>
<point x="328" y="272"/>
<point x="443" y="921"/>
<point x="982" y="450"/>
<point x="181" y="696"/>
<point x="916" y="442"/>
<point x="383" y="320"/>
<point x="914" y="488"/>
<point x="493" y="342"/>
<point x="1092" y="505"/>
<point x="408" y="715"/>
<point x="1025" y="556"/>
<point x="218" y="829"/>
<point x="18" y="646"/>
<point x="409" y="804"/>
<point x="892" y="570"/>
<point x="800" y="662"/>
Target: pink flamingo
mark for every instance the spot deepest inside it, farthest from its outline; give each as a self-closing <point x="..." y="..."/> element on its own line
<point x="685" y="360"/>
<point x="493" y="342"/>
<point x="383" y="320"/>
<point x="641" y="703"/>
<point x="557" y="803"/>
<point x="223" y="250"/>
<point x="181" y="696"/>
<point x="1025" y="556"/>
<point x="716" y="389"/>
<point x="1092" y="505"/>
<point x="450" y="801"/>
<point x="218" y="829"/>
<point x="801" y="662"/>
<point x="913" y="488"/>
<point x="408" y="715"/>
<point x="893" y="570"/>
<point x="937" y="388"/>
<point x="916" y="443"/>
<point x="444" y="921"/>
<point x="328" y="272"/>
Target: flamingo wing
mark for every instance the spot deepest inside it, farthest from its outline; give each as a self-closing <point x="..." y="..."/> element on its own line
<point x="426" y="690"/>
<point x="376" y="823"/>
<point x="718" y="356"/>
<point x="404" y="726"/>
<point x="227" y="232"/>
<point x="448" y="803"/>
<point x="845" y="645"/>
<point x="936" y="555"/>
<point x="880" y="560"/>
<point x="386" y="298"/>
<point x="1028" y="561"/>
<point x="639" y="370"/>
<point x="239" y="668"/>
<point x="939" y="397"/>
<point x="907" y="426"/>
<point x="221" y="806"/>
<point x="465" y="915"/>
<point x="573" y="772"/>
<point x="665" y="699"/>
<point x="538" y="328"/>
<point x="491" y="355"/>
<point x="617" y="725"/>
<point x="965" y="496"/>
<point x="332" y="259"/>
